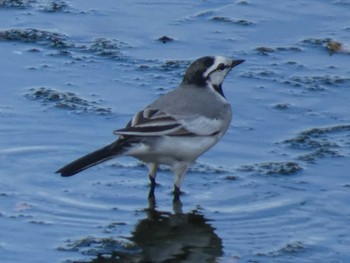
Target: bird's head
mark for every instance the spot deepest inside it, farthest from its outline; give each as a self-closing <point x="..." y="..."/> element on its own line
<point x="210" y="70"/>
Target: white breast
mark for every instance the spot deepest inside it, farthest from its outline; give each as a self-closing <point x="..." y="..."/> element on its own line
<point x="170" y="149"/>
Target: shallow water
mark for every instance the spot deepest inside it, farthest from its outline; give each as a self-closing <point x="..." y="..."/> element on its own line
<point x="275" y="189"/>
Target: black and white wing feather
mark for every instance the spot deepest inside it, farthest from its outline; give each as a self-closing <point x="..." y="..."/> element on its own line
<point x="150" y="122"/>
<point x="153" y="122"/>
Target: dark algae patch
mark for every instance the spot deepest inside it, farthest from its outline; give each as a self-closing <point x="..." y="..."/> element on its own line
<point x="49" y="6"/>
<point x="20" y="4"/>
<point x="272" y="168"/>
<point x="101" y="47"/>
<point x="317" y="82"/>
<point x="263" y="50"/>
<point x="293" y="248"/>
<point x="321" y="142"/>
<point x="328" y="44"/>
<point x="241" y="22"/>
<point x="165" y="39"/>
<point x="55" y="6"/>
<point x="101" y="247"/>
<point x="65" y="100"/>
<point x="41" y="37"/>
<point x="106" y="47"/>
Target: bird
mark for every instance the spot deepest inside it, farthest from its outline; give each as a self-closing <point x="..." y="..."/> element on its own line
<point x="176" y="128"/>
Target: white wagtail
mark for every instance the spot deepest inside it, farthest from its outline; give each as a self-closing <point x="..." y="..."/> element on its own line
<point x="176" y="128"/>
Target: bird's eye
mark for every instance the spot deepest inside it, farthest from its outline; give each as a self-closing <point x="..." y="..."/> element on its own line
<point x="221" y="66"/>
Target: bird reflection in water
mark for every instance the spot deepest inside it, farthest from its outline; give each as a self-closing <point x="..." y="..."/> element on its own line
<point x="176" y="237"/>
<point x="168" y="237"/>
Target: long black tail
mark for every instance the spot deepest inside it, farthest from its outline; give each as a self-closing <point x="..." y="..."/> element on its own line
<point x="91" y="159"/>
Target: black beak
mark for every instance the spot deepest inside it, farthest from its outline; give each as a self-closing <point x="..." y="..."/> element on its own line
<point x="236" y="62"/>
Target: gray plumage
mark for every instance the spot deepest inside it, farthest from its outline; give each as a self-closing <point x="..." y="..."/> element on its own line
<point x="176" y="128"/>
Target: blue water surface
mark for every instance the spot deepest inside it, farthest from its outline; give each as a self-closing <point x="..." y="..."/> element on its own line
<point x="275" y="189"/>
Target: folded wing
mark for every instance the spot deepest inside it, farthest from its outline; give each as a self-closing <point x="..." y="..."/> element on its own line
<point x="153" y="122"/>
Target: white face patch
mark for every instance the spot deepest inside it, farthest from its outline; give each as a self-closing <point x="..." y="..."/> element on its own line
<point x="217" y="76"/>
<point x="218" y="60"/>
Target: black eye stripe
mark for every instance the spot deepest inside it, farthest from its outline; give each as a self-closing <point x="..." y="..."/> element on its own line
<point x="221" y="66"/>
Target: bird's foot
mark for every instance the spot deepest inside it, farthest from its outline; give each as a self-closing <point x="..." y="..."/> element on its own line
<point x="151" y="199"/>
<point x="153" y="186"/>
<point x="177" y="192"/>
<point x="152" y="181"/>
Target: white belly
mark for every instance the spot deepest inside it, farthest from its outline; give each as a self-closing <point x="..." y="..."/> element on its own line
<point x="170" y="149"/>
